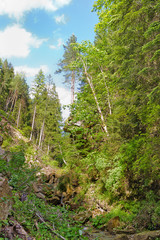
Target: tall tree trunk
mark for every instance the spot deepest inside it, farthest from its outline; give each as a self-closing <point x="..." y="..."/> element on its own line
<point x="72" y="87"/>
<point x="14" y="99"/>
<point x="48" y="150"/>
<point x="34" y="114"/>
<point x="89" y="79"/>
<point x="41" y="133"/>
<point x="108" y="95"/>
<point x="37" y="138"/>
<point x="7" y="103"/>
<point x="42" y="139"/>
<point x="19" y="112"/>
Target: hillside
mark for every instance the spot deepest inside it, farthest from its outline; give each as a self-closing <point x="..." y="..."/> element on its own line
<point x="50" y="203"/>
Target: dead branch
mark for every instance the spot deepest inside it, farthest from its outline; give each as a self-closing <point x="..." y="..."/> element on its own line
<point x="48" y="226"/>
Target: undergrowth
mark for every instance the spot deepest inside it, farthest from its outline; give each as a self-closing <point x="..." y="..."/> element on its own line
<point x="38" y="218"/>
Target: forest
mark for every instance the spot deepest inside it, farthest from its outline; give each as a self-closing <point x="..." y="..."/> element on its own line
<point x="110" y="142"/>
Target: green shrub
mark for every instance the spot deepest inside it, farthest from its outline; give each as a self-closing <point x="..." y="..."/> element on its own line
<point x="55" y="217"/>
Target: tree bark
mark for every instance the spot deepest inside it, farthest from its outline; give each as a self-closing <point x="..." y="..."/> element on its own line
<point x="19" y="112"/>
<point x="41" y="133"/>
<point x="34" y="114"/>
<point x="72" y="87"/>
<point x="14" y="99"/>
<point x="89" y="79"/>
<point x="7" y="103"/>
<point x="48" y="150"/>
<point x="108" y="95"/>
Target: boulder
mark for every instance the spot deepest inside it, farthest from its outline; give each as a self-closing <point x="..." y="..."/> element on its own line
<point x="113" y="223"/>
<point x="129" y="230"/>
<point x="83" y="217"/>
<point x="5" y="198"/>
<point x="121" y="237"/>
<point x="13" y="230"/>
<point x="37" y="187"/>
<point x="148" y="235"/>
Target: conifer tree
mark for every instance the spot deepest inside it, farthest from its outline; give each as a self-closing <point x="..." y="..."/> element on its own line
<point x="38" y="90"/>
<point x="70" y="55"/>
<point x="53" y="119"/>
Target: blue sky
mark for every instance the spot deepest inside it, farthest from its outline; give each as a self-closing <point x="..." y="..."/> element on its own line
<point x="32" y="34"/>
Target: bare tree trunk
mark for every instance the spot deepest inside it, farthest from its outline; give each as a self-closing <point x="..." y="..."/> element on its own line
<point x="37" y="138"/>
<point x="7" y="103"/>
<point x="14" y="99"/>
<point x="34" y="114"/>
<point x="41" y="146"/>
<point x="108" y="95"/>
<point x="89" y="79"/>
<point x="19" y="114"/>
<point x="72" y="87"/>
<point x="48" y="150"/>
<point x="41" y="133"/>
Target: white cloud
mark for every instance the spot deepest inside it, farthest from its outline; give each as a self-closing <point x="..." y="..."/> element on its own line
<point x="61" y="19"/>
<point x="61" y="3"/>
<point x="31" y="72"/>
<point x="65" y="99"/>
<point x="17" y="8"/>
<point x="15" y="41"/>
<point x="59" y="44"/>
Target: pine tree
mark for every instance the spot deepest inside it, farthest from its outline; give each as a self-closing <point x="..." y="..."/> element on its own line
<point x="53" y="119"/>
<point x="37" y="91"/>
<point x="70" y="55"/>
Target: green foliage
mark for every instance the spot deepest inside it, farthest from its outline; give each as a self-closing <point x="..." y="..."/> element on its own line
<point x="27" y="213"/>
<point x="148" y="216"/>
<point x="140" y="214"/>
<point x="114" y="181"/>
<point x="15" y="166"/>
<point x="7" y="142"/>
<point x="70" y="54"/>
<point x="125" y="217"/>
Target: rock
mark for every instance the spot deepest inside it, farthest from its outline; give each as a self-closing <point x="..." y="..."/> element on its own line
<point x="54" y="200"/>
<point x="121" y="237"/>
<point x="1" y="140"/>
<point x="148" y="235"/>
<point x="37" y="187"/>
<point x="52" y="179"/>
<point x="40" y="195"/>
<point x="2" y="152"/>
<point x="13" y="230"/>
<point x="5" y="198"/>
<point x="83" y="217"/>
<point x="130" y="230"/>
<point x="24" y="197"/>
<point x="113" y="223"/>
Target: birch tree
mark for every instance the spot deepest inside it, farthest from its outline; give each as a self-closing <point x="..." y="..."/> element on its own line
<point x="90" y="59"/>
